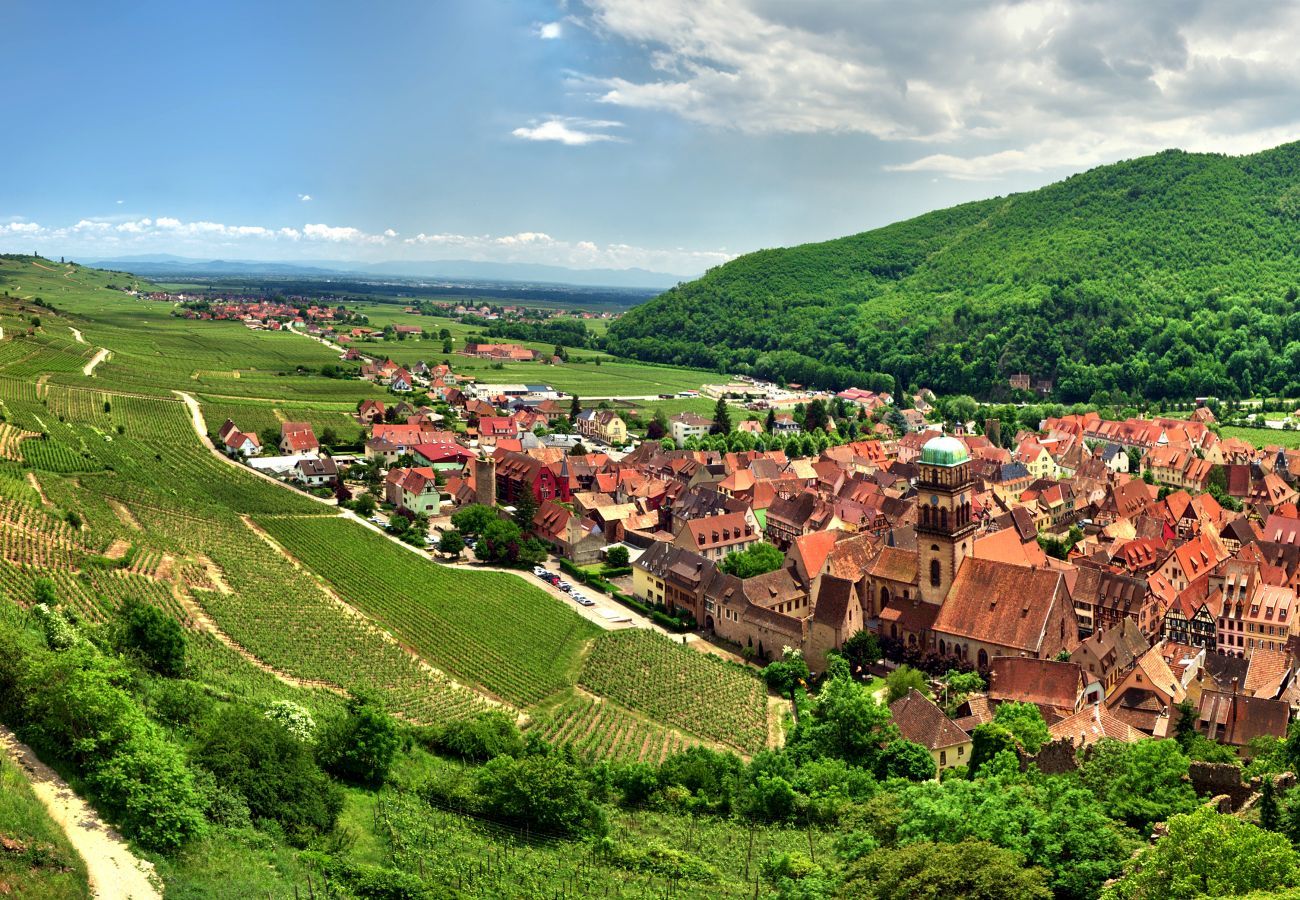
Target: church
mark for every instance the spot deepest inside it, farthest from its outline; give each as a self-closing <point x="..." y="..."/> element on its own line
<point x="957" y="593"/>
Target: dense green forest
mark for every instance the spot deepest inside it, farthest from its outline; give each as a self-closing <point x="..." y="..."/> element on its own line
<point x="1168" y="276"/>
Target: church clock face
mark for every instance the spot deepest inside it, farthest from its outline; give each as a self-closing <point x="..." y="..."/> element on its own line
<point x="934" y="499"/>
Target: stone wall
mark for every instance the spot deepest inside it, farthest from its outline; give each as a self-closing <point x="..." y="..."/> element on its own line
<point x="1216" y="779"/>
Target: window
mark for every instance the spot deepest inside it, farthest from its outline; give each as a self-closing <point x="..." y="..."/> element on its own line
<point x="935" y="575"/>
<point x="943" y="757"/>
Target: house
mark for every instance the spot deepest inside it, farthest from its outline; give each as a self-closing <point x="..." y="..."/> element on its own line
<point x="400" y="381"/>
<point x="517" y="473"/>
<point x="1092" y="724"/>
<point x="317" y="471"/>
<point x="574" y="537"/>
<point x="603" y="425"/>
<point x="922" y="722"/>
<point x="1109" y="654"/>
<point x="236" y="442"/>
<point x="298" y="438"/>
<point x="370" y="411"/>
<point x="1236" y="719"/>
<point x="684" y="426"/>
<point x="1057" y="688"/>
<point x="413" y="490"/>
<point x="714" y="537"/>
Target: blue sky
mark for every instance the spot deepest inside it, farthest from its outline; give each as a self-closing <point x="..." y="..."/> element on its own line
<point x="666" y="134"/>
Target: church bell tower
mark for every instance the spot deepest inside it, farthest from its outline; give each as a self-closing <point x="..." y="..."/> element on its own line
<point x="945" y="530"/>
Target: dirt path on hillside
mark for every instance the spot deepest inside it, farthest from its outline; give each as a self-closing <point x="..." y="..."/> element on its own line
<point x="98" y="358"/>
<point x="36" y="486"/>
<point x="76" y="335"/>
<point x="115" y="872"/>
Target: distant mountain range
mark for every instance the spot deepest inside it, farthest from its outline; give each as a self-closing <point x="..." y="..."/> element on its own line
<point x="156" y="265"/>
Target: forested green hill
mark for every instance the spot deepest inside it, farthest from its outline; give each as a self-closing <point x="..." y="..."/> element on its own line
<point x="1167" y="276"/>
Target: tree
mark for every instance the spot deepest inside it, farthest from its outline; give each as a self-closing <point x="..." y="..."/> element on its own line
<point x="616" y="557"/>
<point x="903" y="680"/>
<point x="861" y="650"/>
<point x="525" y="511"/>
<point x="906" y="759"/>
<point x="578" y="450"/>
<point x="1025" y="722"/>
<point x="364" y="505"/>
<point x="721" y="418"/>
<point x="658" y="426"/>
<point x="359" y="745"/>
<point x="43" y="592"/>
<point x="1139" y="783"/>
<point x="1206" y="854"/>
<point x="447" y="345"/>
<point x="815" y="416"/>
<point x="770" y="422"/>
<point x="473" y="519"/>
<point x="975" y="870"/>
<point x="845" y="723"/>
<point x="482" y="737"/>
<point x="756" y="559"/>
<point x="787" y="673"/>
<point x="575" y="409"/>
<point x="451" y="543"/>
<point x="155" y="636"/>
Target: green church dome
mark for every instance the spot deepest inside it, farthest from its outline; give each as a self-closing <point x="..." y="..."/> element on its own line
<point x="944" y="451"/>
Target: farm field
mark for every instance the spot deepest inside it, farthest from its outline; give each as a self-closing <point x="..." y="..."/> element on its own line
<point x="1262" y="437"/>
<point x="600" y="729"/>
<point x="486" y="628"/>
<point x="694" y="691"/>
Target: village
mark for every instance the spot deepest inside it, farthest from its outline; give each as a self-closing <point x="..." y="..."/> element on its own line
<point x="1088" y="568"/>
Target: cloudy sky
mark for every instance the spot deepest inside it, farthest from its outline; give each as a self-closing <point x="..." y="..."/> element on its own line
<point x="666" y="134"/>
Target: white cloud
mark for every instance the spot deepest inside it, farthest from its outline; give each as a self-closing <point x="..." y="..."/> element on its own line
<point x="120" y="202"/>
<point x="208" y="238"/>
<point x="549" y="31"/>
<point x="975" y="90"/>
<point x="305" y="198"/>
<point x="573" y="132"/>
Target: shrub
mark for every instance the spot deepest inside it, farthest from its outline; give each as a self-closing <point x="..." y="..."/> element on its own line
<point x="359" y="745"/>
<point x="481" y="737"/>
<point x="271" y="770"/>
<point x="155" y="636"/>
<point x="542" y="792"/>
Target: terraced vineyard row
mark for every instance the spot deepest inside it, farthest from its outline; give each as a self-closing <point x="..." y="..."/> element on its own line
<point x="600" y="729"/>
<point x="680" y="687"/>
<point x="486" y="628"/>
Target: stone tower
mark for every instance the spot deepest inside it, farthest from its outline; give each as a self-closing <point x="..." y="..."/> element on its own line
<point x="945" y="532"/>
<point x="485" y="481"/>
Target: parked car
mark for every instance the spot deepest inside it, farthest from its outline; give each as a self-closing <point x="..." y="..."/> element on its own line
<point x="540" y="572"/>
<point x="585" y="601"/>
<point x="564" y="586"/>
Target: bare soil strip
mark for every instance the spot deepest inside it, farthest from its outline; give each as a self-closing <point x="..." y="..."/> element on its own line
<point x="115" y="872"/>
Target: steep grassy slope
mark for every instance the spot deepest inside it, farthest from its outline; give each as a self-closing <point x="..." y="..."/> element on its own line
<point x="1166" y="276"/>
